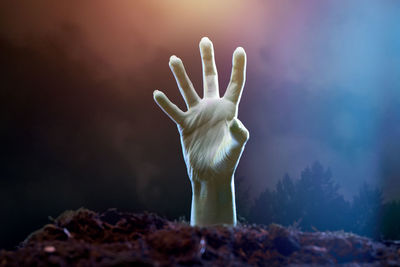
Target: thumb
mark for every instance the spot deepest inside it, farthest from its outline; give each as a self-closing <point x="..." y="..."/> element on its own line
<point x="239" y="135"/>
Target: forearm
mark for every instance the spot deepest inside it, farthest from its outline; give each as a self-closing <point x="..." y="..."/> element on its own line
<point x="213" y="202"/>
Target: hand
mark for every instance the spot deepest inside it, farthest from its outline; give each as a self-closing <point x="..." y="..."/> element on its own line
<point x="212" y="136"/>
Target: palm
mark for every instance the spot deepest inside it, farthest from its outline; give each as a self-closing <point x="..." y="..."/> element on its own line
<point x="212" y="136"/>
<point x="205" y="135"/>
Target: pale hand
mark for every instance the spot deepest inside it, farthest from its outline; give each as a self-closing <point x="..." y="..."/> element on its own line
<point x="212" y="136"/>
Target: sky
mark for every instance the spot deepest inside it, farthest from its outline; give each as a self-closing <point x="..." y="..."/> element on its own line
<point x="79" y="126"/>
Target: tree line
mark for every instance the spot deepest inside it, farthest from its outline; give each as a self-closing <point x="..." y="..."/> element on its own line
<point x="313" y="203"/>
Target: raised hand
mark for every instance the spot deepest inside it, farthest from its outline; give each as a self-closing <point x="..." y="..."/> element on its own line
<point x="212" y="136"/>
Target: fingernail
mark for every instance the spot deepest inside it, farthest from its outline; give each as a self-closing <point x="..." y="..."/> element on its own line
<point x="174" y="60"/>
<point x="240" y="50"/>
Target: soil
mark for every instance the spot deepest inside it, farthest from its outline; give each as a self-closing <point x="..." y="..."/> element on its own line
<point x="114" y="238"/>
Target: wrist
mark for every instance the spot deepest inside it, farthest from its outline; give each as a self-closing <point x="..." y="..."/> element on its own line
<point x="213" y="202"/>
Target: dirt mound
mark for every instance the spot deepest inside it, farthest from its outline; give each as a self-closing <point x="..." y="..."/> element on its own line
<point x="113" y="238"/>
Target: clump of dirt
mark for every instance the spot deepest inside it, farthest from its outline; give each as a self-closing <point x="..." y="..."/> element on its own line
<point x="114" y="238"/>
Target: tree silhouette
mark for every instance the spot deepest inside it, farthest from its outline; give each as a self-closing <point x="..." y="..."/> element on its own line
<point x="390" y="220"/>
<point x="313" y="201"/>
<point x="321" y="204"/>
<point x="242" y="197"/>
<point x="366" y="211"/>
<point x="262" y="210"/>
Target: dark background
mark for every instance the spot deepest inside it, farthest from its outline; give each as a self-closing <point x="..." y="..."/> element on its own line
<point x="78" y="125"/>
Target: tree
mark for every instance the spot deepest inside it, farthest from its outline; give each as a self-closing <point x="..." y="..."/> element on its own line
<point x="390" y="220"/>
<point x="319" y="200"/>
<point x="366" y="211"/>
<point x="242" y="193"/>
<point x="262" y="210"/>
<point x="313" y="201"/>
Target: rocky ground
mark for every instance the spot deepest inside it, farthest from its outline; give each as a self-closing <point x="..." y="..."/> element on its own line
<point x="113" y="238"/>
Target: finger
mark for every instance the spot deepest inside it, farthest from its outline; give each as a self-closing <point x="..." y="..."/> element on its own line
<point x="238" y="76"/>
<point x="168" y="107"/>
<point x="239" y="135"/>
<point x="210" y="75"/>
<point x="185" y="85"/>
